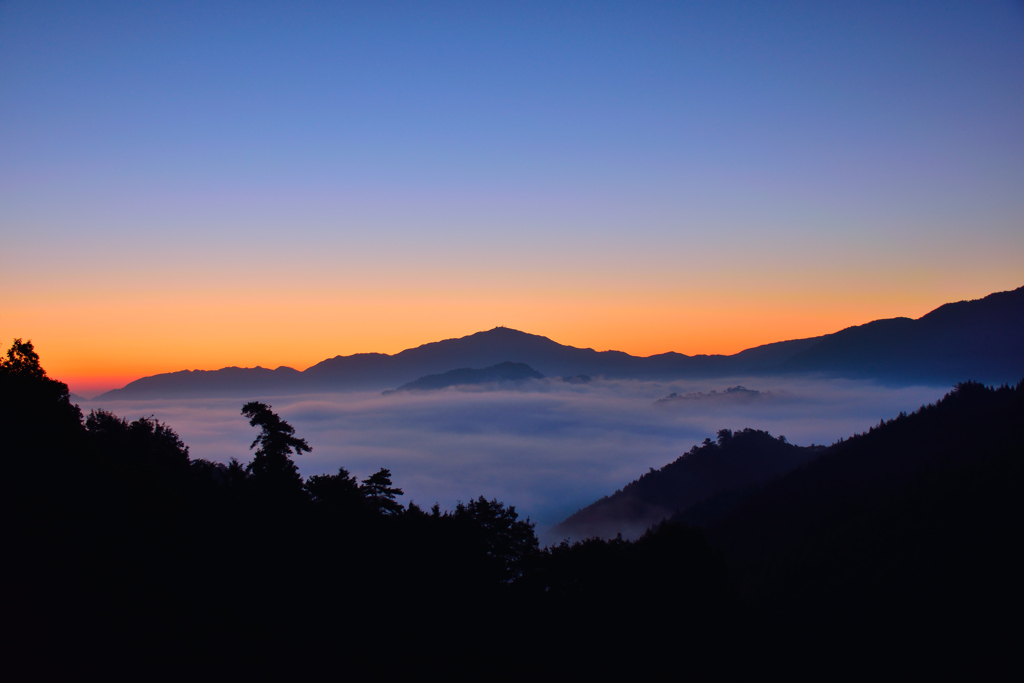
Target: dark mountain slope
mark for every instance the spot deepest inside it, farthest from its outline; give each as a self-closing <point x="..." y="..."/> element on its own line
<point x="769" y="356"/>
<point x="502" y="372"/>
<point x="909" y="485"/>
<point x="903" y="539"/>
<point x="736" y="461"/>
<point x="899" y="544"/>
<point x="983" y="339"/>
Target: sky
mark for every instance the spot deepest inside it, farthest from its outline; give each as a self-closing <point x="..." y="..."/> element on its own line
<point x="205" y="184"/>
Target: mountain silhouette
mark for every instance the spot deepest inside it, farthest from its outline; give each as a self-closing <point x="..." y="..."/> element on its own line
<point x="981" y="339"/>
<point x="892" y="517"/>
<point x="732" y="463"/>
<point x="231" y="381"/>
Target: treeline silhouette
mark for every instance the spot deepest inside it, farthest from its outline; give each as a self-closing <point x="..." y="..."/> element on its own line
<point x="893" y="550"/>
<point x="122" y="546"/>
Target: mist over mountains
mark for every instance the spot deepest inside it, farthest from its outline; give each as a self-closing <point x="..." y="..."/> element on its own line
<point x="502" y="372"/>
<point x="981" y="339"/>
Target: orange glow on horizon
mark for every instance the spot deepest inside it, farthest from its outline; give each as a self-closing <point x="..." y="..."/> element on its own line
<point x="96" y="343"/>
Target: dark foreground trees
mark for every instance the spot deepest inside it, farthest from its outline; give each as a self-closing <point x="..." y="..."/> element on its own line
<point x="118" y="545"/>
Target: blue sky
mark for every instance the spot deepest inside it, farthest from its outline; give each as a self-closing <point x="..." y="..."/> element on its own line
<point x="870" y="154"/>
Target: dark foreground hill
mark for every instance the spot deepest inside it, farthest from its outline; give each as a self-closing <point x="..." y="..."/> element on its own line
<point x="908" y="533"/>
<point x="902" y="539"/>
<point x="943" y="482"/>
<point x="983" y="339"/>
<point x="123" y="553"/>
<point x="735" y="462"/>
<point x="895" y="550"/>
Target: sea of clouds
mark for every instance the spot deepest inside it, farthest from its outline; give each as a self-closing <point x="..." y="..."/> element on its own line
<point x="546" y="446"/>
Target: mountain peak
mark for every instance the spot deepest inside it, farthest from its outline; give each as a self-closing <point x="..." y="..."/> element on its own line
<point x="506" y="332"/>
<point x="979" y="339"/>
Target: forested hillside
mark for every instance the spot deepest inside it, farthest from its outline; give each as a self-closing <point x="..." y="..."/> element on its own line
<point x="121" y="544"/>
<point x="734" y="462"/>
<point x="892" y="548"/>
<point x="903" y="538"/>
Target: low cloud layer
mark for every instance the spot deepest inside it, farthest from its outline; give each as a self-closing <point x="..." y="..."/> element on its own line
<point x="546" y="446"/>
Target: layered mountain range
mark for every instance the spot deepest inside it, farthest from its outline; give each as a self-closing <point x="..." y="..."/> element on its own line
<point x="981" y="339"/>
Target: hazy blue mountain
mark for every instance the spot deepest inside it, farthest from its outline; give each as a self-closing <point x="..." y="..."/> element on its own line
<point x="224" y="382"/>
<point x="982" y="339"/>
<point x="378" y="371"/>
<point x="502" y="372"/>
<point x="732" y="394"/>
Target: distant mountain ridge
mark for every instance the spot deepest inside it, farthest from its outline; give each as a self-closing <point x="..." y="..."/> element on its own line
<point x="981" y="339"/>
<point x="502" y="372"/>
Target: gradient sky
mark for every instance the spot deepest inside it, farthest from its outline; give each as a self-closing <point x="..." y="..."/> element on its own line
<point x="194" y="185"/>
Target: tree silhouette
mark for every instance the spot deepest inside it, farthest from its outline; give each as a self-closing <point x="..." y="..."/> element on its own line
<point x="337" y="493"/>
<point x="146" y="438"/>
<point x="35" y="411"/>
<point x="271" y="468"/>
<point x="379" y="492"/>
<point x="22" y="361"/>
<point x="506" y="540"/>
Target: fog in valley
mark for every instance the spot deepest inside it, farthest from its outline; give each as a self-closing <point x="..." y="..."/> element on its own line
<point x="546" y="446"/>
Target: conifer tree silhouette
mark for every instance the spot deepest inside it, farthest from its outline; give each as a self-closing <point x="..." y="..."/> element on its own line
<point x="271" y="467"/>
<point x="379" y="492"/>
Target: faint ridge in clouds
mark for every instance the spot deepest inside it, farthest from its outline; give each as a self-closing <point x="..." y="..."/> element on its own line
<point x="502" y="372"/>
<point x="981" y="339"/>
<point x="736" y="393"/>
